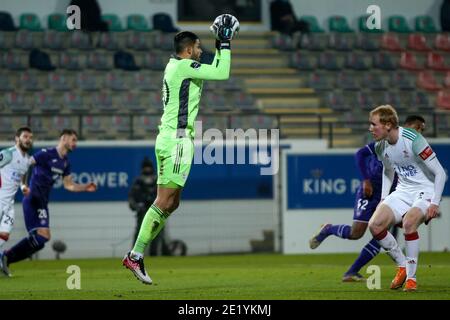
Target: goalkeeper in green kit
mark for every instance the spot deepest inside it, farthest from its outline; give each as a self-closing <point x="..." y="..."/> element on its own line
<point x="181" y="92"/>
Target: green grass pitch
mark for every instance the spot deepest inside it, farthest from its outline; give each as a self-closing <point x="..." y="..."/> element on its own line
<point x="254" y="277"/>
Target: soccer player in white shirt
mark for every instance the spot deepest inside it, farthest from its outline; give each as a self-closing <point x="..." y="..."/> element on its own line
<point x="416" y="199"/>
<point x="14" y="164"/>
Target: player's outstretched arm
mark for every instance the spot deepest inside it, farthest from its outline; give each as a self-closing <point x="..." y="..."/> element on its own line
<point x="76" y="187"/>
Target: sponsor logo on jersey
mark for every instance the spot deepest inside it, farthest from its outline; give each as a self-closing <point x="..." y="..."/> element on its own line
<point x="426" y="153"/>
<point x="195" y="65"/>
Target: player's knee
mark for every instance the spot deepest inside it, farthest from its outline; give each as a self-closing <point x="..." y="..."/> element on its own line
<point x="4" y="236"/>
<point x="356" y="234"/>
<point x="375" y="227"/>
<point x="409" y="225"/>
<point x="44" y="233"/>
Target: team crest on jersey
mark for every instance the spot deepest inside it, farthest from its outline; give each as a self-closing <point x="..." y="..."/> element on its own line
<point x="426" y="153"/>
<point x="405" y="154"/>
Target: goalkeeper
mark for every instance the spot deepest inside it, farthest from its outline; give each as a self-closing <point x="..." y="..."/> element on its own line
<point x="182" y="87"/>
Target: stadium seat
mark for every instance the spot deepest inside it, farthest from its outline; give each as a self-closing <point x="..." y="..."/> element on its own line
<point x="313" y="42"/>
<point x="113" y="21"/>
<point x="216" y="101"/>
<point x="138" y="41"/>
<point x="303" y="61"/>
<point x="45" y="102"/>
<point x="75" y="102"/>
<point x="374" y="81"/>
<point x="443" y="99"/>
<point x="442" y="42"/>
<point x="367" y="42"/>
<point x="80" y="40"/>
<point x="54" y="40"/>
<point x="313" y="24"/>
<point x="153" y="61"/>
<point x="100" y="61"/>
<point x="329" y="61"/>
<point x="362" y="23"/>
<point x="154" y="101"/>
<point x="58" y="81"/>
<point x="347" y="81"/>
<point x="398" y="24"/>
<point x="163" y="41"/>
<point x="14" y="60"/>
<point x="232" y="84"/>
<point x="108" y="41"/>
<point x="6" y="22"/>
<point x="336" y="101"/>
<point x="447" y="80"/>
<point x="320" y="81"/>
<point x="357" y="61"/>
<point x="365" y="101"/>
<point x="61" y="122"/>
<point x="390" y="42"/>
<point x="148" y="124"/>
<point x="163" y="22"/>
<point x="87" y="81"/>
<point x="16" y="102"/>
<point x="7" y="40"/>
<point x="427" y="81"/>
<point x="394" y="99"/>
<point x="418" y="42"/>
<point x="30" y="81"/>
<point x="30" y="21"/>
<point x="72" y="60"/>
<point x="24" y="40"/>
<point x="121" y="124"/>
<point x="436" y="61"/>
<point x="402" y="81"/>
<point x="408" y="61"/>
<point x="339" y="24"/>
<point x="92" y="125"/>
<point x="116" y="81"/>
<point x="384" y="61"/>
<point x="425" y="24"/>
<point x="137" y="22"/>
<point x="143" y="81"/>
<point x="102" y="101"/>
<point x="132" y="101"/>
<point x="57" y="22"/>
<point x="420" y="100"/>
<point x="243" y="101"/>
<point x="282" y="42"/>
<point x="6" y="82"/>
<point x="340" y="42"/>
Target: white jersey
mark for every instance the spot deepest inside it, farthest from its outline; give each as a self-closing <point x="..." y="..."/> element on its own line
<point x="408" y="158"/>
<point x="13" y="166"/>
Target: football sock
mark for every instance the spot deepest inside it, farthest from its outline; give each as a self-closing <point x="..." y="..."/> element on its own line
<point x="369" y="252"/>
<point x="26" y="247"/>
<point x="388" y="243"/>
<point x="412" y="254"/>
<point x="341" y="230"/>
<point x="152" y="224"/>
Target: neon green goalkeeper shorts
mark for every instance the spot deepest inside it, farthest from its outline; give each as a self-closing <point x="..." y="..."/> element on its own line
<point x="174" y="159"/>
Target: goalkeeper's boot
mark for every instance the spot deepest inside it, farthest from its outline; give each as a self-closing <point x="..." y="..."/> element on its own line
<point x="321" y="235"/>
<point x="399" y="279"/>
<point x="353" y="277"/>
<point x="411" y="285"/>
<point x="4" y="265"/>
<point x="137" y="267"/>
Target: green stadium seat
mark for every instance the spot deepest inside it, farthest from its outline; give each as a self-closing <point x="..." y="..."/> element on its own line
<point x="425" y="24"/>
<point x="339" y="24"/>
<point x="30" y="21"/>
<point x="313" y="24"/>
<point x="137" y="22"/>
<point x="57" y="22"/>
<point x="113" y="22"/>
<point x="398" y="24"/>
<point x="363" y="26"/>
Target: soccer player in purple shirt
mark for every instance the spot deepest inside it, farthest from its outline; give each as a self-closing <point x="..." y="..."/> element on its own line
<point x="368" y="196"/>
<point x="49" y="166"/>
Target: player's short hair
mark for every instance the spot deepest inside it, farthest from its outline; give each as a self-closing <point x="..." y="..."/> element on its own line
<point x="387" y="114"/>
<point x="70" y="132"/>
<point x="23" y="129"/>
<point x="184" y="39"/>
<point x="414" y="118"/>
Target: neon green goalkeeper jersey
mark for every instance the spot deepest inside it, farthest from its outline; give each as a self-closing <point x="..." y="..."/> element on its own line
<point x="182" y="89"/>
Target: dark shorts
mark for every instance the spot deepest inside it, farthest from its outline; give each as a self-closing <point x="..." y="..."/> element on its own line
<point x="35" y="213"/>
<point x="365" y="207"/>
